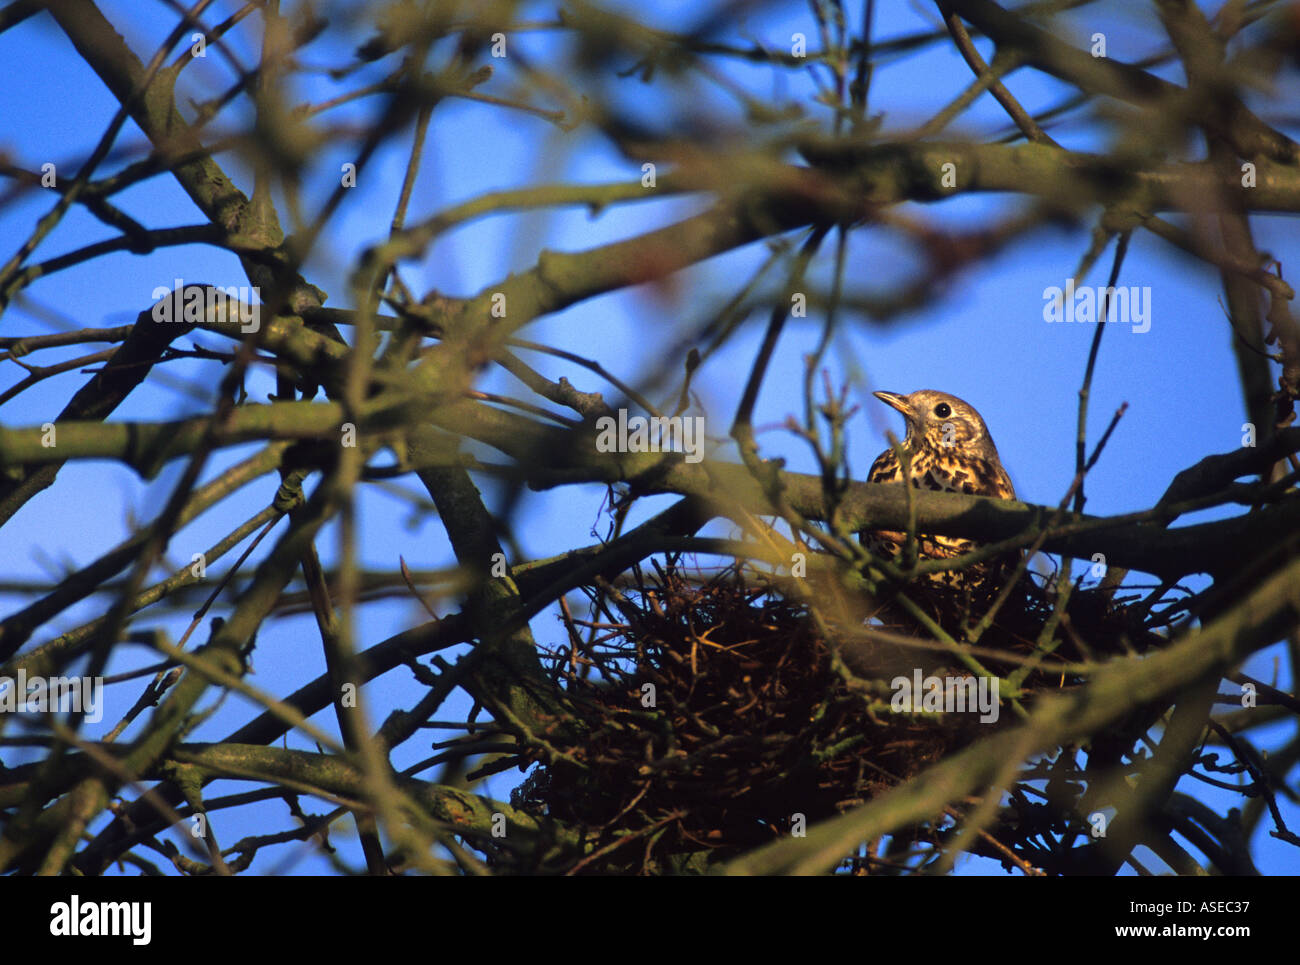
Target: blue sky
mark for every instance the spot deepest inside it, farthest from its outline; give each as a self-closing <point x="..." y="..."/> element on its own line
<point x="984" y="339"/>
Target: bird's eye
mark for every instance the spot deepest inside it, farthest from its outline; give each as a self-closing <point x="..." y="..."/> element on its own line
<point x="943" y="410"/>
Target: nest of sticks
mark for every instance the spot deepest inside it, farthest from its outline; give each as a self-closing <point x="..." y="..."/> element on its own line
<point x="718" y="712"/>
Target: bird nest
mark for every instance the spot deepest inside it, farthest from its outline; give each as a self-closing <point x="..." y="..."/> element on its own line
<point x="718" y="713"/>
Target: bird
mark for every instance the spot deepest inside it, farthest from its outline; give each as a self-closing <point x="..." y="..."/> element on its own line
<point x="950" y="449"/>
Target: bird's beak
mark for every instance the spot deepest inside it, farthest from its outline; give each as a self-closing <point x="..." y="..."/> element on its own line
<point x="895" y="401"/>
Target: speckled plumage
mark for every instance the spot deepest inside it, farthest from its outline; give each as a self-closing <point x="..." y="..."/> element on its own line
<point x="950" y="450"/>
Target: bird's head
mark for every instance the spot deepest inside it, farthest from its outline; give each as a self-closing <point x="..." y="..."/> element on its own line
<point x="942" y="422"/>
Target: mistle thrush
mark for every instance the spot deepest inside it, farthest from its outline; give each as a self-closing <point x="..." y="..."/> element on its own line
<point x="950" y="450"/>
